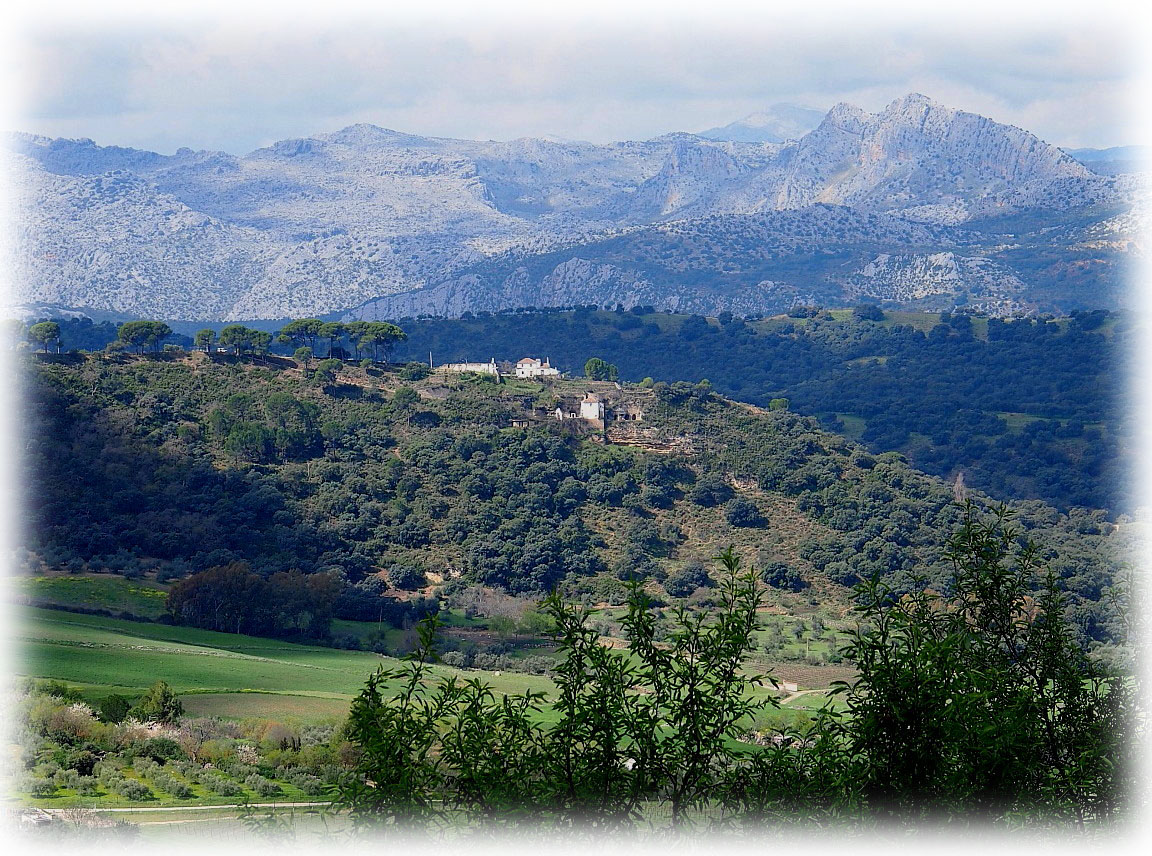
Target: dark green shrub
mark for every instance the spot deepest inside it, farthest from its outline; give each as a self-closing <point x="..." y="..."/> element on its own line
<point x="161" y="749"/>
<point x="408" y="577"/>
<point x="711" y="490"/>
<point x="743" y="512"/>
<point x="261" y="786"/>
<point x="114" y="708"/>
<point x="413" y="372"/>
<point x="683" y="582"/>
<point x="131" y="789"/>
<point x="39" y="787"/>
<point x="779" y="575"/>
<point x="159" y="704"/>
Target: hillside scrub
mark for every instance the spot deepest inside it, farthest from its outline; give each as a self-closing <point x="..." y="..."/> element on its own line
<point x="177" y="469"/>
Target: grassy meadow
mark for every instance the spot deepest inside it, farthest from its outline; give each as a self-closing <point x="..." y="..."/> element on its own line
<point x="235" y="676"/>
<point x="111" y="592"/>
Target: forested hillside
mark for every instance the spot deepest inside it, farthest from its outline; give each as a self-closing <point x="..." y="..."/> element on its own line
<point x="172" y="464"/>
<point x="1025" y="409"/>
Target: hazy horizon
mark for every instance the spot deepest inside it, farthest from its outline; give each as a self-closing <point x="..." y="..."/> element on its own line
<point x="542" y="136"/>
<point x="236" y="86"/>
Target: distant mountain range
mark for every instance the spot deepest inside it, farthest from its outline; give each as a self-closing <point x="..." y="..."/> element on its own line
<point x="918" y="205"/>
<point x="778" y="123"/>
<point x="1117" y="160"/>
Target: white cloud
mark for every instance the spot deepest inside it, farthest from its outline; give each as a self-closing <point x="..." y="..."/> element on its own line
<point x="234" y="86"/>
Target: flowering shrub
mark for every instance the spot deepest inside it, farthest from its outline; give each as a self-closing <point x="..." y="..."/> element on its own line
<point x="247" y="754"/>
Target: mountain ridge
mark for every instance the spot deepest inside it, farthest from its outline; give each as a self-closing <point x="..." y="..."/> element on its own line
<point x="367" y="215"/>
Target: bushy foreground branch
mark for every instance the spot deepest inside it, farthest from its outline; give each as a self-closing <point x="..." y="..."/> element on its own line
<point x="976" y="703"/>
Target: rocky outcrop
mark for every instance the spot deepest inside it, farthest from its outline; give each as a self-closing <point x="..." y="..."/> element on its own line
<point x="909" y="279"/>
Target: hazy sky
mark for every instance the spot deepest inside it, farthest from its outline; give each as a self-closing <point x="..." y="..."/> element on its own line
<point x="218" y="82"/>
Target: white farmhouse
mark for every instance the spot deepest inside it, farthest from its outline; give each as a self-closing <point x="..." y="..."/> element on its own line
<point x="592" y="407"/>
<point x="531" y="367"/>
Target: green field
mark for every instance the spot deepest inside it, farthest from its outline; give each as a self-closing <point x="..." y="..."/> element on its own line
<point x="1017" y="421"/>
<point x="223" y="674"/>
<point x="239" y="675"/>
<point x="923" y="321"/>
<point x="290" y="709"/>
<point x="306" y="827"/>
<point x="815" y="701"/>
<point x="141" y="598"/>
<point x="364" y="630"/>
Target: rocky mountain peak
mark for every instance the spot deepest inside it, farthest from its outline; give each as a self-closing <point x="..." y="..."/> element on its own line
<point x="843" y="117"/>
<point x="366" y="134"/>
<point x="914" y="102"/>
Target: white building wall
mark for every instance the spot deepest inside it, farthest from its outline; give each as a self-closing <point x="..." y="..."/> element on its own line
<point x="591" y="409"/>
<point x="483" y="368"/>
